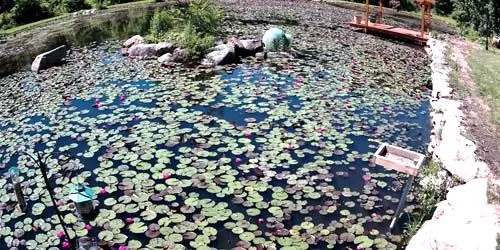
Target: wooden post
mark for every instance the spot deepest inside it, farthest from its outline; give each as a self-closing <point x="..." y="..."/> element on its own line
<point x="367" y="13"/>
<point x="42" y="165"/>
<point x="429" y="18"/>
<point x="20" y="196"/>
<point x="380" y="11"/>
<point x="422" y="21"/>
<point x="402" y="202"/>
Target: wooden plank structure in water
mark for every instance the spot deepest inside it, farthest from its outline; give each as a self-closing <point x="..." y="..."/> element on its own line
<point x="377" y="27"/>
<point x="401" y="160"/>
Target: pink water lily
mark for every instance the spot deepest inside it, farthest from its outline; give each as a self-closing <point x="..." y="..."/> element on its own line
<point x="60" y="234"/>
<point x="66" y="245"/>
<point x="73" y="137"/>
<point x="247" y="133"/>
<point x="359" y="247"/>
<point x="122" y="247"/>
<point x="88" y="227"/>
<point x="129" y="220"/>
<point x="59" y="203"/>
<point x="137" y="119"/>
<point x="166" y="175"/>
<point x="103" y="191"/>
<point x="238" y="160"/>
<point x="122" y="98"/>
<point x="261" y="220"/>
<point x="366" y="179"/>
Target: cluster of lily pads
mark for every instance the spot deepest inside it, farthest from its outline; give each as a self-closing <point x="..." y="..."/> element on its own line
<point x="260" y="155"/>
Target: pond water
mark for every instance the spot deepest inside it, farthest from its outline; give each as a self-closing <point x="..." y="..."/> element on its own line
<point x="263" y="154"/>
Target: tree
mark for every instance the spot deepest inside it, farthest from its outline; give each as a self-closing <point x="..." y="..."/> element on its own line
<point x="444" y="7"/>
<point x="482" y="16"/>
<point x="6" y="5"/>
<point x="26" y="11"/>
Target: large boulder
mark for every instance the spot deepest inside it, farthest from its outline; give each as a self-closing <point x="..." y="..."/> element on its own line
<point x="49" y="59"/>
<point x="247" y="47"/>
<point x="165" y="47"/>
<point x="496" y="42"/>
<point x="178" y="55"/>
<point x="223" y="54"/>
<point x="143" y="51"/>
<point x="463" y="216"/>
<point x="137" y="39"/>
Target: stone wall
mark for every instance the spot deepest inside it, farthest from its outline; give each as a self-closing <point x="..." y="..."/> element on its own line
<point x="464" y="220"/>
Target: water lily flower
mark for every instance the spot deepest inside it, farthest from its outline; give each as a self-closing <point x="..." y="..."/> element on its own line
<point x="359" y="247"/>
<point x="166" y="175"/>
<point x="73" y="137"/>
<point x="247" y="133"/>
<point x="137" y="119"/>
<point x="103" y="191"/>
<point x="122" y="247"/>
<point x="238" y="160"/>
<point x="261" y="220"/>
<point x="122" y="98"/>
<point x="66" y="245"/>
<point x="59" y="203"/>
<point x="60" y="234"/>
<point x="88" y="227"/>
<point x="366" y="179"/>
<point x="129" y="220"/>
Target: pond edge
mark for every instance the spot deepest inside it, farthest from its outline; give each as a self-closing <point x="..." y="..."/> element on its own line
<point x="464" y="220"/>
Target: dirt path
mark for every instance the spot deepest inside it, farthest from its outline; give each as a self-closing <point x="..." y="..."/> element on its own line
<point x="477" y="121"/>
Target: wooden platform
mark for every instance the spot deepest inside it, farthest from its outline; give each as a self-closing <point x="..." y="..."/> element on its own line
<point x="378" y="28"/>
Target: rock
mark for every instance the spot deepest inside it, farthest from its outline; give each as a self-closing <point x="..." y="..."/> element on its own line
<point x="49" y="59"/>
<point x="222" y="54"/>
<point x="248" y="47"/>
<point x="495" y="42"/>
<point x="465" y="215"/>
<point x="137" y="39"/>
<point x="165" y="47"/>
<point x="143" y="51"/>
<point x="178" y="55"/>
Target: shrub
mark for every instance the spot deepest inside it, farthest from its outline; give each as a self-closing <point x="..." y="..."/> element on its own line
<point x="193" y="27"/>
<point x="161" y="24"/>
<point x="26" y="11"/>
<point x="65" y="6"/>
<point x="204" y="15"/>
<point x="6" y="5"/>
<point x="193" y="42"/>
<point x="96" y="4"/>
<point x="6" y="20"/>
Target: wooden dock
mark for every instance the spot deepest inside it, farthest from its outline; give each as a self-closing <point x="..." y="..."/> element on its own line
<point x="384" y="29"/>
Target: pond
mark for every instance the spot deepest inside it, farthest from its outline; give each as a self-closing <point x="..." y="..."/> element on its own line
<point x="271" y="154"/>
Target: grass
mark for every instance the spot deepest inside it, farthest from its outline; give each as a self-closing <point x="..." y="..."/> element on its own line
<point x="427" y="198"/>
<point x="29" y="26"/>
<point x="485" y="66"/>
<point x="455" y="84"/>
<point x="33" y="25"/>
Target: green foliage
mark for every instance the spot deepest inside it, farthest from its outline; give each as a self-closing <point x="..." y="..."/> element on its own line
<point x="444" y="7"/>
<point x="193" y="27"/>
<point x="6" y="20"/>
<point x="58" y="7"/>
<point x="193" y="42"/>
<point x="482" y="16"/>
<point x="97" y="4"/>
<point x="204" y="16"/>
<point x="6" y="5"/>
<point x="26" y="11"/>
<point x="162" y="23"/>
